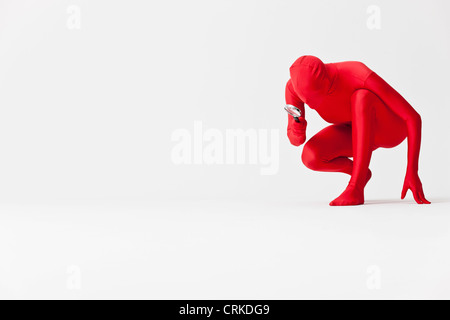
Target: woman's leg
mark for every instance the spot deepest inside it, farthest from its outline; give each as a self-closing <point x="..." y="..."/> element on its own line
<point x="373" y="125"/>
<point x="330" y="149"/>
<point x="363" y="133"/>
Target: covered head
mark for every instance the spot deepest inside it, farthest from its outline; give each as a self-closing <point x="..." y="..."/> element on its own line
<point x="310" y="79"/>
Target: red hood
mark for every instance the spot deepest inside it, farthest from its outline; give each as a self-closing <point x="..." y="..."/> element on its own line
<point x="310" y="79"/>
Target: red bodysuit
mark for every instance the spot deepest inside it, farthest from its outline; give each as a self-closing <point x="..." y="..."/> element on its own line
<point x="366" y="113"/>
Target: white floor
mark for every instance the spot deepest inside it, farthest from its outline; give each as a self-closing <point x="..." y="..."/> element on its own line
<point x="225" y="249"/>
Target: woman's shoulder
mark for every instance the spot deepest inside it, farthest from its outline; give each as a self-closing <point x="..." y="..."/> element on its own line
<point x="354" y="69"/>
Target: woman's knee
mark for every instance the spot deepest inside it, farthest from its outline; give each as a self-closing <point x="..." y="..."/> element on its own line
<point x="310" y="156"/>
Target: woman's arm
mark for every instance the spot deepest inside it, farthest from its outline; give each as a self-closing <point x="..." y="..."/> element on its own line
<point x="413" y="121"/>
<point x="296" y="130"/>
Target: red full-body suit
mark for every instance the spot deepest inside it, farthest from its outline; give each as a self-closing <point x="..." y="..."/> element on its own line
<point x="366" y="113"/>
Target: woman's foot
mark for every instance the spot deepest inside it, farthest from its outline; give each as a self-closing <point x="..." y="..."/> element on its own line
<point x="352" y="196"/>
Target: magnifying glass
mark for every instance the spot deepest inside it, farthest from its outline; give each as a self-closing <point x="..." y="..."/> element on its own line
<point x="293" y="111"/>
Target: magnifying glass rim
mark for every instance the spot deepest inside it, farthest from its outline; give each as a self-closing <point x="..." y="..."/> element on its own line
<point x="288" y="108"/>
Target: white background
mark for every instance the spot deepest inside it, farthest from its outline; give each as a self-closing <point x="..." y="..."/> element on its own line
<point x="87" y="182"/>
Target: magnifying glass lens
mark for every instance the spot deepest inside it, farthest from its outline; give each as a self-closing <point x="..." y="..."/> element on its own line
<point x="293" y="111"/>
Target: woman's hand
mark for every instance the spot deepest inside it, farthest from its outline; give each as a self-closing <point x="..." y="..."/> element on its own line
<point x="300" y="127"/>
<point x="297" y="131"/>
<point x="413" y="183"/>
